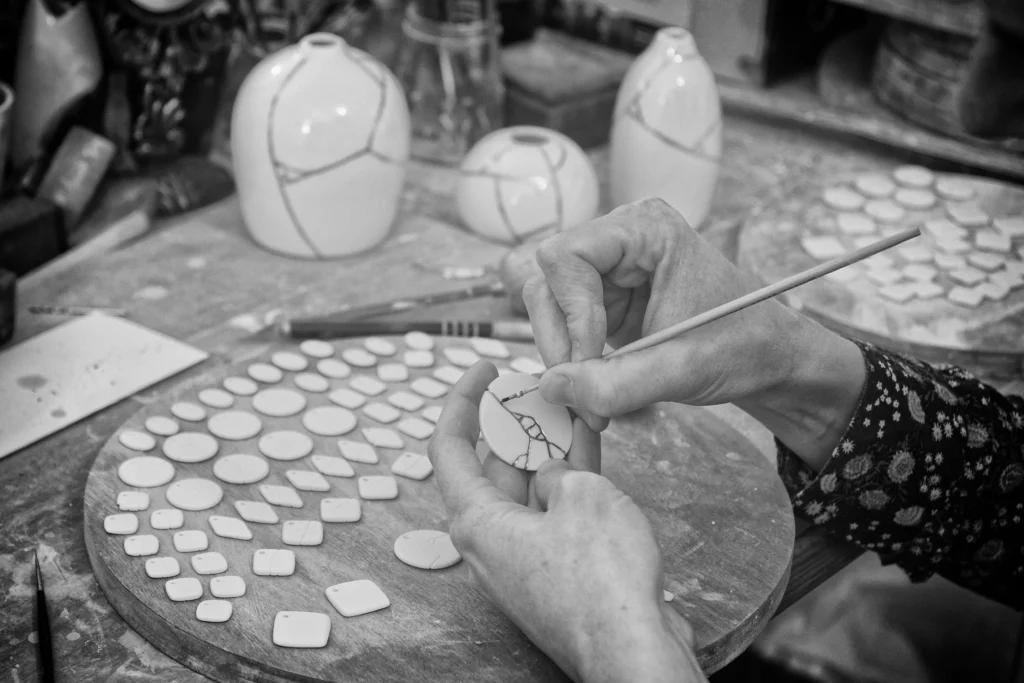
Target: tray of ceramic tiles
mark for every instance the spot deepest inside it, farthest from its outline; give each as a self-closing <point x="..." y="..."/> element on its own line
<point x="959" y="285"/>
<point x="279" y="518"/>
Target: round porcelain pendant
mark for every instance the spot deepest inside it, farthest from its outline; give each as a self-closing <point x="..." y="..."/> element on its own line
<point x="524" y="432"/>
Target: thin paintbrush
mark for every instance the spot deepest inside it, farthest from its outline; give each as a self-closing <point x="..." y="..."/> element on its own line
<point x="43" y="628"/>
<point x="753" y="298"/>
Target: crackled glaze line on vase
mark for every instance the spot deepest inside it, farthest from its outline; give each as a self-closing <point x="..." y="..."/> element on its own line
<point x="667" y="134"/>
<point x="525" y="181"/>
<point x="320" y="137"/>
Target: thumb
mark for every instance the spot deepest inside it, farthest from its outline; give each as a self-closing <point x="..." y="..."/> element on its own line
<point x="611" y="386"/>
<point x="547" y="480"/>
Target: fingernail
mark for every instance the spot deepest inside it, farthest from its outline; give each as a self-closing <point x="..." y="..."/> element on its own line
<point x="557" y="389"/>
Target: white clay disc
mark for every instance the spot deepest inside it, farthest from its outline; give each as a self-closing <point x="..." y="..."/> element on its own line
<point x="285" y="445"/>
<point x="214" y="611"/>
<point x="360" y="358"/>
<point x="190" y="447"/>
<point x="855" y="224"/>
<point x="333" y="467"/>
<point x="301" y="629"/>
<point x="427" y="549"/>
<point x="279" y="402"/>
<point x="145" y="472"/>
<point x="313" y="383"/>
<point x="333" y="368"/>
<point x="527" y="366"/>
<point x="463" y="358"/>
<point x="429" y="387"/>
<point x="418" y="358"/>
<point x="194" y="494"/>
<point x="181" y="590"/>
<point x="541" y="432"/>
<point x="241" y="468"/>
<point x="379" y="346"/>
<point x="286" y="360"/>
<point x="241" y="386"/>
<point x="842" y="199"/>
<point x="188" y="411"/>
<point x="884" y="211"/>
<point x="162" y="426"/>
<point x="420" y="341"/>
<point x="968" y="215"/>
<point x="266" y="373"/>
<point x="216" y="398"/>
<point x="392" y="372"/>
<point x="329" y="421"/>
<point x="315" y="348"/>
<point x="954" y="190"/>
<point x="234" y="425"/>
<point x="492" y="348"/>
<point x="449" y="374"/>
<point x="367" y="385"/>
<point x="136" y="441"/>
<point x="346" y="398"/>
<point x="875" y="185"/>
<point x="918" y="200"/>
<point x="913" y="176"/>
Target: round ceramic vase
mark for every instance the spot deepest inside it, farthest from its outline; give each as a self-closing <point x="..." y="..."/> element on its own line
<point x="319" y="141"/>
<point x="666" y="136"/>
<point x="526" y="182"/>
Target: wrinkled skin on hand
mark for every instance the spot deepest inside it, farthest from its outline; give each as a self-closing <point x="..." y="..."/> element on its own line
<point x="564" y="553"/>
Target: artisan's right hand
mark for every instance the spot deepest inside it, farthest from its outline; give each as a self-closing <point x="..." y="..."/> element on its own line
<point x="641" y="269"/>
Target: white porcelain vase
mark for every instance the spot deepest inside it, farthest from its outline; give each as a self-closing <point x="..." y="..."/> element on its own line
<point x="666" y="136"/>
<point x="319" y="142"/>
<point x="526" y="182"/>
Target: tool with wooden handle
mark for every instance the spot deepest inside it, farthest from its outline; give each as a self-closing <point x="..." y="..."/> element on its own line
<point x="760" y="295"/>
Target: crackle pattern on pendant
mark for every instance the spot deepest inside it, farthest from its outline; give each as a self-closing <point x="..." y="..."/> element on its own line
<point x="524" y="432"/>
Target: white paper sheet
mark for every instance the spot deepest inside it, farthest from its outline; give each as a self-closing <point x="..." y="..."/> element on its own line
<point x="76" y="369"/>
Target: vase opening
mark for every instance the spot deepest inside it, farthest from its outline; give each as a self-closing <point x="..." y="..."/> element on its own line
<point x="679" y="38"/>
<point x="322" y="40"/>
<point x="530" y="139"/>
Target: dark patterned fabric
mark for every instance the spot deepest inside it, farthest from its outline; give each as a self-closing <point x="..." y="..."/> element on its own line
<point x="929" y="475"/>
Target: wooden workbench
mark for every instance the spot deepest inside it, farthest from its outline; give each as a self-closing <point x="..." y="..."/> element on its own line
<point x="217" y="283"/>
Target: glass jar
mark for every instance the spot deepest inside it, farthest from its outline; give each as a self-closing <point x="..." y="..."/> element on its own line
<point x="451" y="74"/>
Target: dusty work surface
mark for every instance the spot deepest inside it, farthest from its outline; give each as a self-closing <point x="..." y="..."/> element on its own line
<point x="718" y="509"/>
<point x="201" y="280"/>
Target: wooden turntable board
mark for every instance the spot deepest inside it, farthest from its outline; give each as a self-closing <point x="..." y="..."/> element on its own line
<point x="953" y="295"/>
<point x="720" y="512"/>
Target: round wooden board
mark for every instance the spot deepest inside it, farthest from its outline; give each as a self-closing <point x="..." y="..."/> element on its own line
<point x="722" y="517"/>
<point x="988" y="339"/>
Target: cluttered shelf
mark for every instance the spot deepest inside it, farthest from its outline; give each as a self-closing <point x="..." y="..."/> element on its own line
<point x="960" y="17"/>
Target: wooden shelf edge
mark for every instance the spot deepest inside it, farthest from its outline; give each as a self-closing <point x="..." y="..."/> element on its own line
<point x="797" y="102"/>
<point x="960" y="19"/>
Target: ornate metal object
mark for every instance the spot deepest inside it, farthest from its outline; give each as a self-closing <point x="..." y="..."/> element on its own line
<point x="174" y="52"/>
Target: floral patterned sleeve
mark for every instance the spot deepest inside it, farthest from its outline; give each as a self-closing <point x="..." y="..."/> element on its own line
<point x="930" y="475"/>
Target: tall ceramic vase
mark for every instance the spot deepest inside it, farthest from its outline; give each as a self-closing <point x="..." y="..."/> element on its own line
<point x="319" y="141"/>
<point x="667" y="133"/>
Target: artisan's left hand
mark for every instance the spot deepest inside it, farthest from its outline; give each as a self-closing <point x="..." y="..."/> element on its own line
<point x="566" y="555"/>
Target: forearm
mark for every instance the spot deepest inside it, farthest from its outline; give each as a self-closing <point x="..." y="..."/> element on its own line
<point x="658" y="651"/>
<point x="929" y="474"/>
<point x="818" y="378"/>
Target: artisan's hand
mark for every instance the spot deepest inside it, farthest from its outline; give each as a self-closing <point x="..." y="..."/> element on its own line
<point x="641" y="269"/>
<point x="580" y="573"/>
